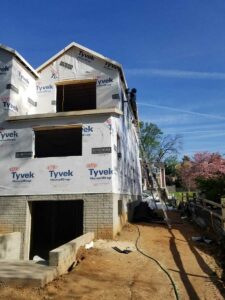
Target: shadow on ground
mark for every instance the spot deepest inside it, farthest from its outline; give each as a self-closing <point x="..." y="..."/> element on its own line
<point x="208" y="273"/>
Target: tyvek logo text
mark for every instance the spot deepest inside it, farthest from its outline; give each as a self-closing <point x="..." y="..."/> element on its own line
<point x="8" y="135"/>
<point x="110" y="66"/>
<point x="87" y="130"/>
<point x="100" y="173"/>
<point x="85" y="56"/>
<point x="4" y="69"/>
<point x="23" y="78"/>
<point x="104" y="82"/>
<point x="44" y="88"/>
<point x="9" y="106"/>
<point x="19" y="177"/>
<point x="56" y="175"/>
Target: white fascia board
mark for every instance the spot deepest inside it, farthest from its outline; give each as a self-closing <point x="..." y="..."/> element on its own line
<point x="20" y="58"/>
<point x="96" y="54"/>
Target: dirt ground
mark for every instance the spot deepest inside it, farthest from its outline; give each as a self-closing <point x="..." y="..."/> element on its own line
<point x="103" y="273"/>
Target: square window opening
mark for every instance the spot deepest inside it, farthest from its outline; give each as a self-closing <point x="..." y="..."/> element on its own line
<point x="58" y="142"/>
<point x="76" y="96"/>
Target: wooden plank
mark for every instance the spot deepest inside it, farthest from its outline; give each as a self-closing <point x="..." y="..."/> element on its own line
<point x="79" y="81"/>
<point x="223" y="211"/>
<point x="69" y="126"/>
<point x="212" y="203"/>
<point x="210" y="211"/>
<point x="66" y="114"/>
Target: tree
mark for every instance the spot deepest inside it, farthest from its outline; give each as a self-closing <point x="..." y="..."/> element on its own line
<point x="206" y="171"/>
<point x="169" y="146"/>
<point x="155" y="145"/>
<point x="208" y="165"/>
<point x="171" y="163"/>
<point x="185" y="174"/>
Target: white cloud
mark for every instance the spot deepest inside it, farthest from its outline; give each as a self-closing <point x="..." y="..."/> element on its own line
<point x="204" y="135"/>
<point x="175" y="73"/>
<point x="198" y="127"/>
<point x="218" y="117"/>
<point x="166" y="120"/>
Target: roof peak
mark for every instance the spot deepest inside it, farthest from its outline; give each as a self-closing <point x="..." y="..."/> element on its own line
<point x="20" y="58"/>
<point x="85" y="49"/>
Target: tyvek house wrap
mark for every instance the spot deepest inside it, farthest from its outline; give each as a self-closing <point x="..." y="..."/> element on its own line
<point x="89" y="173"/>
<point x="6" y="105"/>
<point x="26" y="97"/>
<point x="76" y="64"/>
<point x="17" y="87"/>
<point x="127" y="169"/>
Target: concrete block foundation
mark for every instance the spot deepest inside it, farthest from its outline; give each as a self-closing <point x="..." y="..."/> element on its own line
<point x="10" y="245"/>
<point x="103" y="214"/>
<point x="64" y="256"/>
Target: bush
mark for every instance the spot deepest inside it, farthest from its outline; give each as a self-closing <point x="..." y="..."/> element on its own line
<point x="213" y="188"/>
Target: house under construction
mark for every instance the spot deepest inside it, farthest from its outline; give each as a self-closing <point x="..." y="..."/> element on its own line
<point x="69" y="148"/>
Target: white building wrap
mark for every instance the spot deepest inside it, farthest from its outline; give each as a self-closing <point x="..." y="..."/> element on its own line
<point x="109" y="162"/>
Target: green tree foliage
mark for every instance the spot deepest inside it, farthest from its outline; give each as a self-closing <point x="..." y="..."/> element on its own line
<point x="156" y="145"/>
<point x="150" y="136"/>
<point x="171" y="164"/>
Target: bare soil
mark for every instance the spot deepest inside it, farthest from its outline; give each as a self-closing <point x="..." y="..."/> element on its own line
<point x="103" y="273"/>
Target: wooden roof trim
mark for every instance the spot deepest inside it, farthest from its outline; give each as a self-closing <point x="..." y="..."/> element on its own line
<point x="69" y="82"/>
<point x="53" y="127"/>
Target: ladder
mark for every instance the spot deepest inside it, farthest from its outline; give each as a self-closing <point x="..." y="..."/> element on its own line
<point x="153" y="182"/>
<point x="160" y="195"/>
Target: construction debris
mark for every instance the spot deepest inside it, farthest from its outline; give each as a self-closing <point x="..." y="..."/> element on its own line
<point x="125" y="251"/>
<point x="143" y="213"/>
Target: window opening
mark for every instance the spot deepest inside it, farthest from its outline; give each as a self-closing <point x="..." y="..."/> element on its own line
<point x="76" y="95"/>
<point x="58" y="142"/>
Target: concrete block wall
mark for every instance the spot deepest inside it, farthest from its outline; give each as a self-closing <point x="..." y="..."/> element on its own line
<point x="101" y="214"/>
<point x="123" y="208"/>
<point x="98" y="215"/>
<point x="65" y="256"/>
<point x="13" y="211"/>
<point x="10" y="245"/>
<point x="12" y="214"/>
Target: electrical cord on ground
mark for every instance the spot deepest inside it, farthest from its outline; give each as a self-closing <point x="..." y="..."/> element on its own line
<point x="158" y="263"/>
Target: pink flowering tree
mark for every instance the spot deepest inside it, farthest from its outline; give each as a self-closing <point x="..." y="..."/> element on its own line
<point x="206" y="171"/>
<point x="208" y="165"/>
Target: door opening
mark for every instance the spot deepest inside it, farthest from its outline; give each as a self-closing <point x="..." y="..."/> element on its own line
<point x="54" y="223"/>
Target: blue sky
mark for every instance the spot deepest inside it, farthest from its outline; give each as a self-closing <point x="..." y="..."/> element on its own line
<point x="173" y="52"/>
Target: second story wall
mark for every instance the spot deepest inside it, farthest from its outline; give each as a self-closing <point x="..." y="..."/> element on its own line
<point x="17" y="87"/>
<point x="125" y="158"/>
<point x="57" y="156"/>
<point x="24" y="96"/>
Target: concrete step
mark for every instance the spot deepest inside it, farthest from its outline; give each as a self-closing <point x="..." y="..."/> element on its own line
<point x="26" y="273"/>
